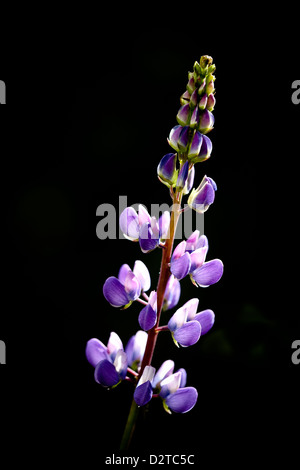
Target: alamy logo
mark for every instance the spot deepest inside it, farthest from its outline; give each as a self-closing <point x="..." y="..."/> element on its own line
<point x="2" y="352"/>
<point x="2" y="92"/>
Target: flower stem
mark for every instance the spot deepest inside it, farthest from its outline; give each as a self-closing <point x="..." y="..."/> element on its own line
<point x="130" y="426"/>
<point x="152" y="334"/>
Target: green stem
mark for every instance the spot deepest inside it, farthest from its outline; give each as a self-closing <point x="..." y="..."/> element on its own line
<point x="130" y="426"/>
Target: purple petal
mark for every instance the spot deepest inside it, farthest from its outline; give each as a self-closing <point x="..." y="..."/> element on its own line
<point x="192" y="241"/>
<point x="136" y="346"/>
<point x="144" y="216"/>
<point x="188" y="334"/>
<point x="166" y="169"/>
<point x="143" y="393"/>
<point x="197" y="258"/>
<point x="183" y="377"/>
<point x="129" y="223"/>
<point x="203" y="241"/>
<point x="181" y="266"/>
<point x="183" y="400"/>
<point x="164" y="224"/>
<point x="124" y="270"/>
<point x="132" y="286"/>
<point x="182" y="177"/>
<point x="147" y="239"/>
<point x="95" y="351"/>
<point x="209" y="273"/>
<point x="183" y="115"/>
<point x="172" y="293"/>
<point x="141" y="272"/>
<point x="179" y="250"/>
<point x="206" y="318"/>
<point x="114" y="292"/>
<point x="106" y="374"/>
<point x="147" y="318"/>
<point x="206" y="122"/>
<point x="183" y="139"/>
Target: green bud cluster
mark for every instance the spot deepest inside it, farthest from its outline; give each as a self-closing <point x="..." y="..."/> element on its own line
<point x="198" y="101"/>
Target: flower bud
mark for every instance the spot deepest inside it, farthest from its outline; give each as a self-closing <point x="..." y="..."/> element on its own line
<point x="183" y="139"/>
<point x="194" y="99"/>
<point x="206" y="122"/>
<point x="205" y="61"/>
<point x="191" y="85"/>
<point x="202" y="87"/>
<point x="183" y="115"/>
<point x="195" y="118"/>
<point x="183" y="176"/>
<point x="166" y="170"/>
<point x="174" y="136"/>
<point x="210" y="84"/>
<point x="195" y="145"/>
<point x="185" y="98"/>
<point x="200" y="155"/>
<point x="211" y="101"/>
<point x="201" y="198"/>
<point x="203" y="102"/>
<point x="190" y="181"/>
<point x="197" y="68"/>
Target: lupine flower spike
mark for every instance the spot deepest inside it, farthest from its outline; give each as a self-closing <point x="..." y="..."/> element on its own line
<point x="114" y="364"/>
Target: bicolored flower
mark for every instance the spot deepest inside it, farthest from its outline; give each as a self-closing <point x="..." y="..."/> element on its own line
<point x="201" y="198"/>
<point x="148" y="315"/>
<point x="189" y="258"/>
<point x="111" y="361"/>
<point x="166" y="170"/>
<point x="170" y="387"/>
<point x="186" y="325"/>
<point x="122" y="291"/>
<point x="144" y="228"/>
<point x="135" y="349"/>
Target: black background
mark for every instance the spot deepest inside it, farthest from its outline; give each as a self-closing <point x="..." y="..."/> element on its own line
<point x="87" y="120"/>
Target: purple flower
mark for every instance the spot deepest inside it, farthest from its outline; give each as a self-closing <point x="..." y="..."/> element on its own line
<point x="201" y="146"/>
<point x="172" y="293"/>
<point x="170" y="387"/>
<point x="186" y="325"/>
<point x="111" y="361"/>
<point x="148" y="315"/>
<point x="144" y="228"/>
<point x="189" y="258"/>
<point x="122" y="291"/>
<point x="201" y="198"/>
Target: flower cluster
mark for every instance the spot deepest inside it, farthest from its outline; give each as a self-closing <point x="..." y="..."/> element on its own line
<point x="144" y="228"/>
<point x="114" y="364"/>
<point x="169" y="386"/>
<point x="189" y="258"/>
<point x="111" y="362"/>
